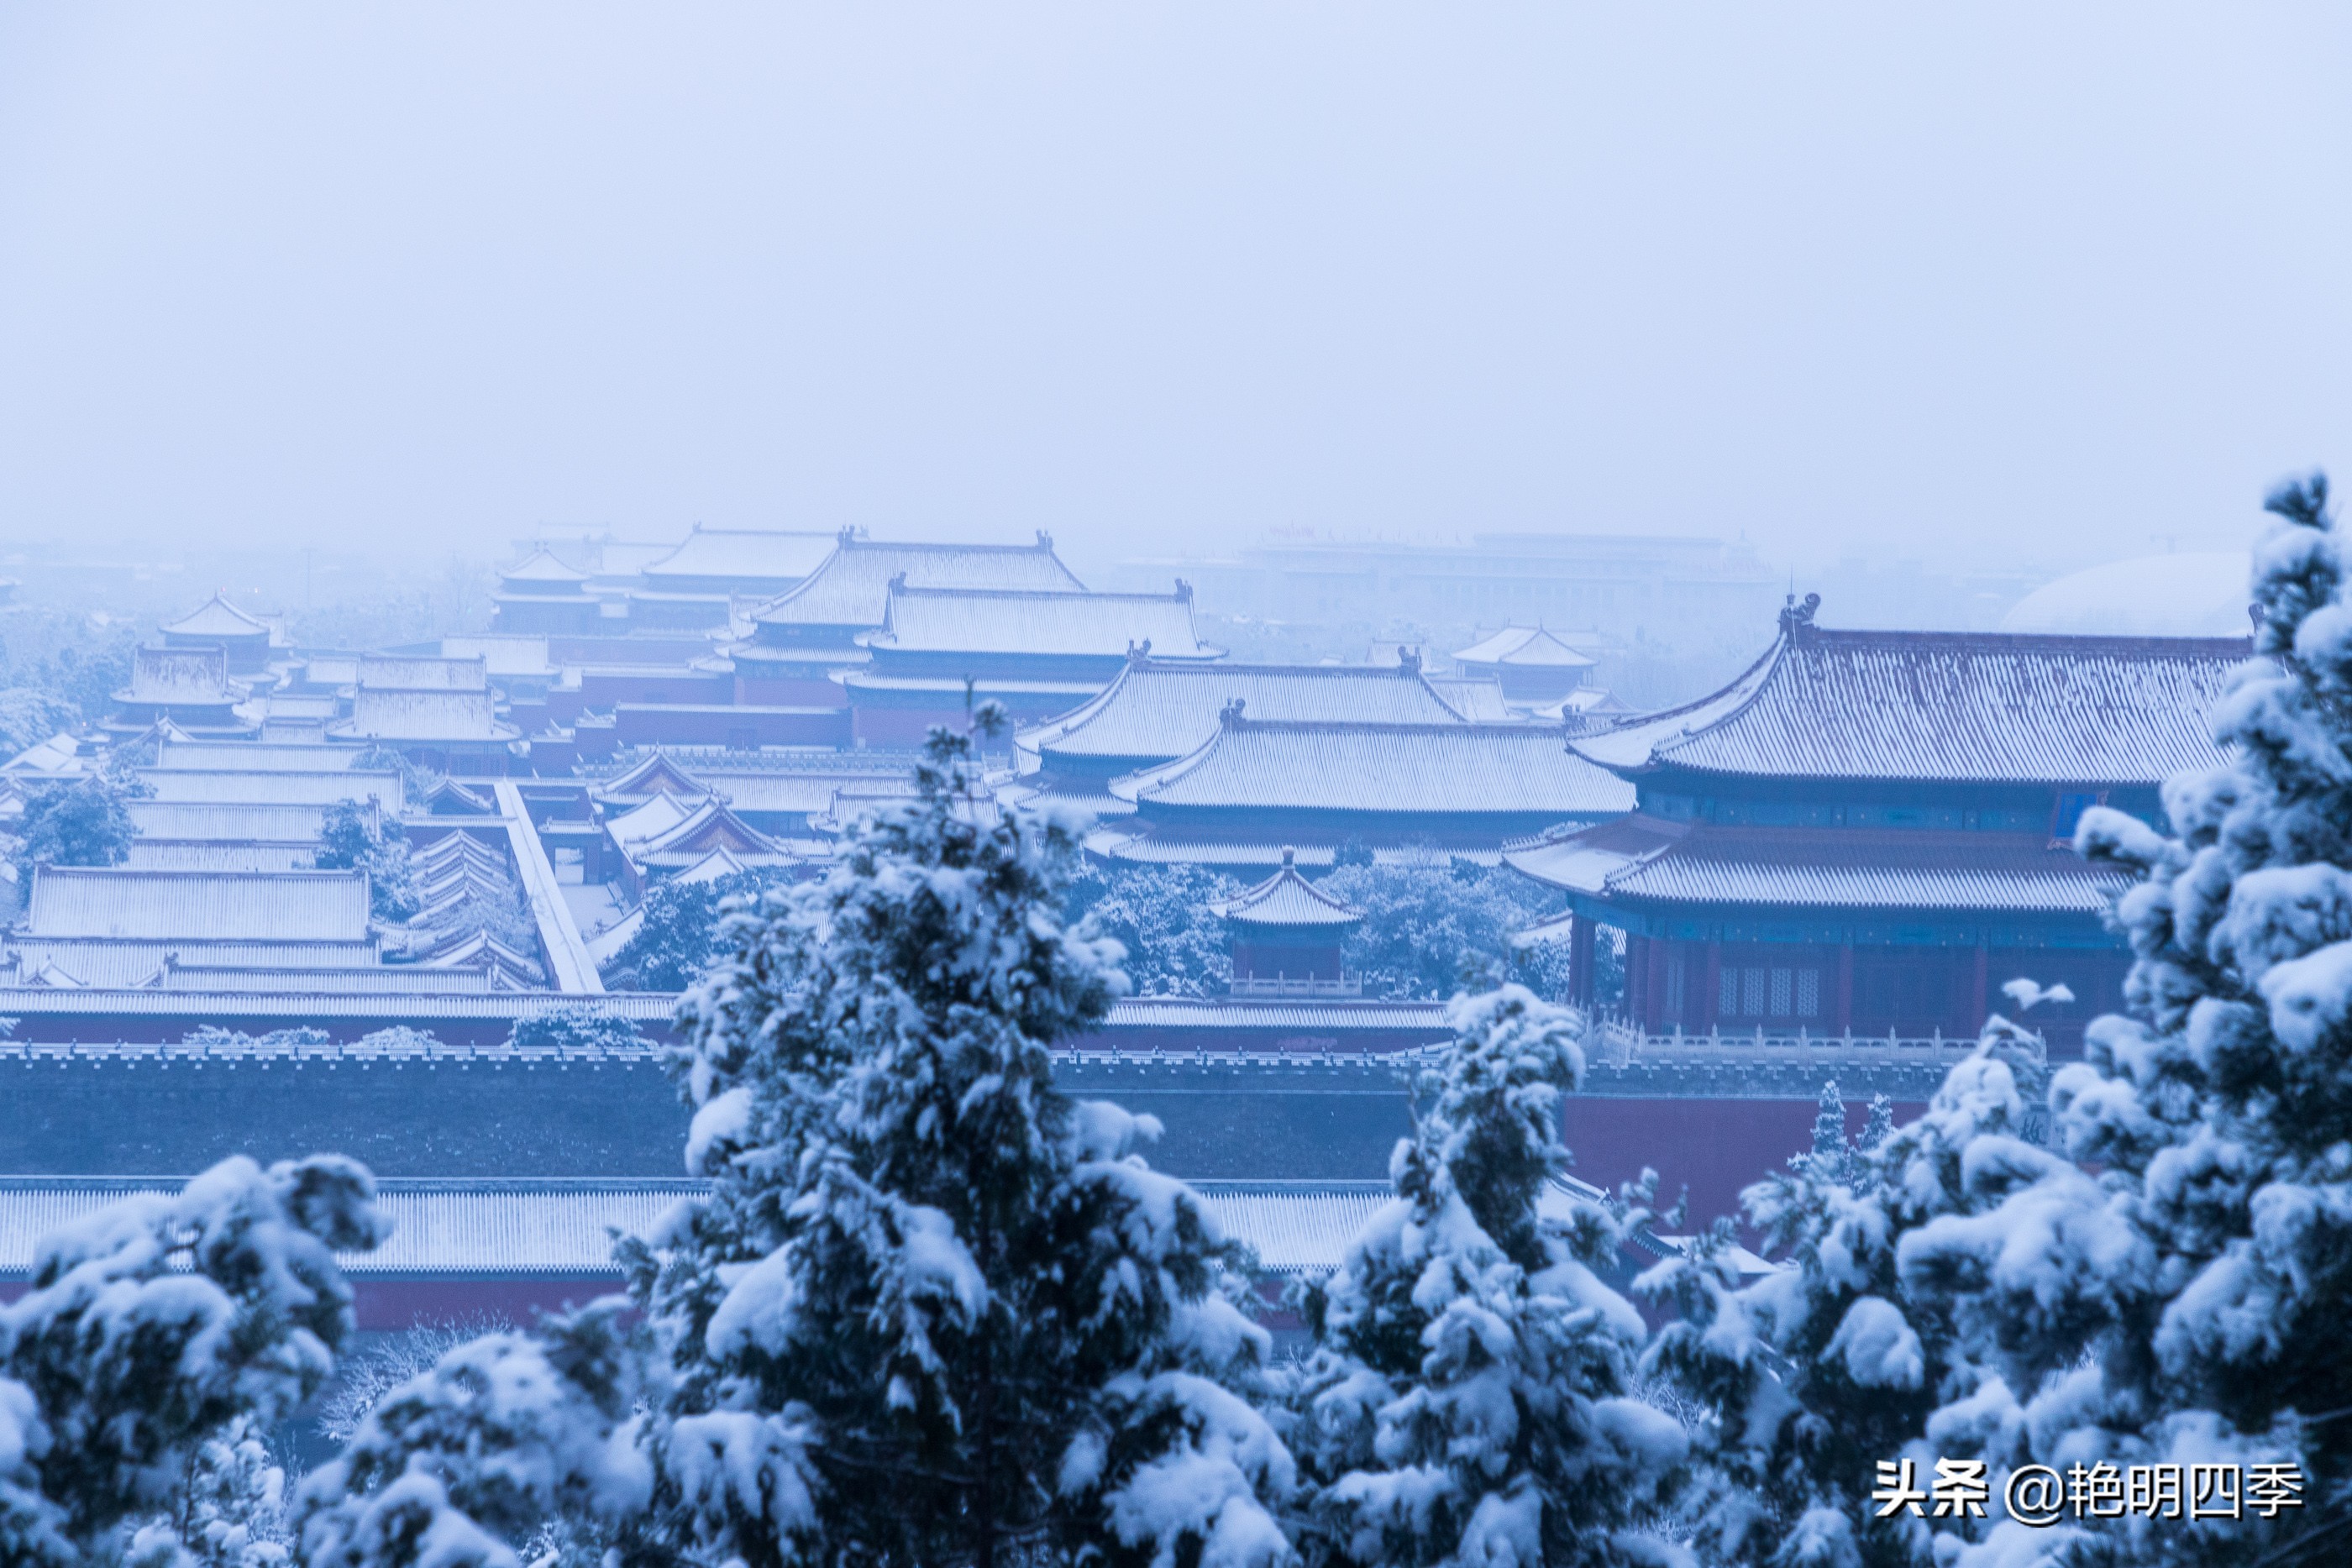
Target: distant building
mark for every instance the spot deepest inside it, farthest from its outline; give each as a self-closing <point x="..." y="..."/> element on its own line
<point x="1288" y="935"/>
<point x="1157" y="710"/>
<point x="454" y="731"/>
<point x="1403" y="794"/>
<point x="1871" y="831"/>
<point x="806" y="636"/>
<point x="540" y="595"/>
<point x="116" y="926"/>
<point x="941" y="649"/>
<point x="1531" y="666"/>
<point x="217" y="623"/>
<point x="697" y="585"/>
<point x="187" y="686"/>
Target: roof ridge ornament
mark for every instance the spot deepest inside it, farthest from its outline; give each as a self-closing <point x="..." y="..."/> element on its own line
<point x="1796" y="618"/>
<point x="1230" y="716"/>
<point x="1139" y="652"/>
<point x="1409" y="659"/>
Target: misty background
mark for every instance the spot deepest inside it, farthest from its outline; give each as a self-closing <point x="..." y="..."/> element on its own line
<point x="330" y="305"/>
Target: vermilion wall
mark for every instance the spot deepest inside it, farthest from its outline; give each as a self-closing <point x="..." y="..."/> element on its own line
<point x="1712" y="1148"/>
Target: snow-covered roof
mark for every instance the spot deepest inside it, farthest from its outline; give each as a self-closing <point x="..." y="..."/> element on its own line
<point x="1155" y="711"/>
<point x="273" y="785"/>
<point x="651" y="775"/>
<point x="374" y="979"/>
<point x="1287" y="898"/>
<point x="2197" y="594"/>
<point x="658" y="815"/>
<point x="542" y="568"/>
<point x="1005" y="621"/>
<point x="61" y="753"/>
<point x="250" y="757"/>
<point x="1443" y="770"/>
<point x="852" y="588"/>
<point x="503" y="656"/>
<point x="1479" y="701"/>
<point x="708" y="826"/>
<point x="219" y="854"/>
<point x="556" y="1227"/>
<point x="418" y="672"/>
<point x="104" y="963"/>
<point x="217" y="617"/>
<point x="244" y="906"/>
<point x="1525" y="647"/>
<point x="1807" y="868"/>
<point x="196" y="676"/>
<point x="424" y="716"/>
<point x="235" y="822"/>
<point x="1979" y="707"/>
<point x="755" y="556"/>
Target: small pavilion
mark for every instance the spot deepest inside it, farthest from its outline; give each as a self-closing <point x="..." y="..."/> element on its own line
<point x="1288" y="935"/>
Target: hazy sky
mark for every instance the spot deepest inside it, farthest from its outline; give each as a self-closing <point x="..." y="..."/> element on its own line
<point x="2044" y="278"/>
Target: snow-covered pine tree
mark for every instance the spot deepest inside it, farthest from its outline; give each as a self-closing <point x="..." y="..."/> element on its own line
<point x="1466" y="1400"/>
<point x="1812" y="1374"/>
<point x="508" y="1438"/>
<point x="2188" y="1305"/>
<point x="158" y="1325"/>
<point x="934" y="1312"/>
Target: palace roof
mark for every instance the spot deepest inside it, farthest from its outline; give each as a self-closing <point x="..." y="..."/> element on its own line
<point x="192" y="676"/>
<point x="503" y="655"/>
<point x="230" y="821"/>
<point x="273" y="785"/>
<point x="1525" y="647"/>
<point x="219" y="854"/>
<point x="424" y="716"/>
<point x="852" y="588"/>
<point x="1157" y="711"/>
<point x="751" y="555"/>
<point x="1974" y="707"/>
<point x="542" y="566"/>
<point x="1439" y="769"/>
<point x="249" y="756"/>
<point x="1644" y="858"/>
<point x="217" y="617"/>
<point x="220" y="907"/>
<point x="1287" y="898"/>
<point x="1005" y="621"/>
<point x="1479" y="701"/>
<point x="389" y="672"/>
<point x="100" y="963"/>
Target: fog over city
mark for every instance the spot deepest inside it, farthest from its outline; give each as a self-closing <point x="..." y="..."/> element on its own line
<point x="1990" y="285"/>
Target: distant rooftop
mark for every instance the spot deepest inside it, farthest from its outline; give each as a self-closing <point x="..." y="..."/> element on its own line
<point x="1005" y="621"/>
<point x="217" y="617"/>
<point x="852" y="587"/>
<point x="243" y="906"/>
<point x="755" y="556"/>
<point x="1157" y="711"/>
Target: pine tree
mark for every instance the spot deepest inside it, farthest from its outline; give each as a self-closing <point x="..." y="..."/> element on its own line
<point x="1814" y="1373"/>
<point x="1466" y="1399"/>
<point x="2186" y="1306"/>
<point x="933" y="1312"/>
<point x="157" y="1328"/>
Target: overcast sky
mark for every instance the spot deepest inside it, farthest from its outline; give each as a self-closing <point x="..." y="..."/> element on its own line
<point x="2055" y="281"/>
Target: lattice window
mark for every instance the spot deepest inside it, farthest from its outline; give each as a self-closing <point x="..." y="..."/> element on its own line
<point x="1783" y="992"/>
<point x="1809" y="993"/>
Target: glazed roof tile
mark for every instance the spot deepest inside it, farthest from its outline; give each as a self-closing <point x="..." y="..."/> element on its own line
<point x="1156" y="711"/>
<point x="852" y="588"/>
<point x="752" y="554"/>
<point x="246" y="906"/>
<point x="1287" y="898"/>
<point x="217" y="617"/>
<point x="1526" y="646"/>
<point x="1442" y="770"/>
<point x="1005" y="621"/>
<point x="1977" y="707"/>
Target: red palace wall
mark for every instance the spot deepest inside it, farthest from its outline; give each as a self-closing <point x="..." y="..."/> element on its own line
<point x="1713" y="1148"/>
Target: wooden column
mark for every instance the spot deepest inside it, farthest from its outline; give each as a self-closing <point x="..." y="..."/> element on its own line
<point x="1843" y="1019"/>
<point x="1579" y="961"/>
<point x="1637" y="981"/>
<point x="1709" y="1011"/>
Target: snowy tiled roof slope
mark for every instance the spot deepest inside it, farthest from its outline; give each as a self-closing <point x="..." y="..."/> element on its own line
<point x="216" y="854"/>
<point x="1844" y="868"/>
<point x="525" y="1227"/>
<point x="1980" y="707"/>
<point x="1287" y="898"/>
<point x="756" y="554"/>
<point x="421" y="674"/>
<point x="264" y="823"/>
<point x="852" y="586"/>
<point x="539" y="565"/>
<point x="1002" y="621"/>
<point x="100" y="961"/>
<point x="1447" y="769"/>
<point x="242" y="906"/>
<point x="273" y="785"/>
<point x="244" y="757"/>
<point x="1155" y="710"/>
<point x="1525" y="647"/>
<point x="217" y="617"/>
<point x="193" y="675"/>
<point x="424" y="716"/>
